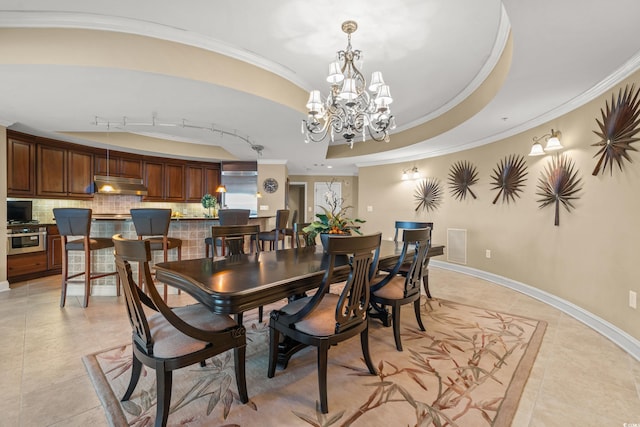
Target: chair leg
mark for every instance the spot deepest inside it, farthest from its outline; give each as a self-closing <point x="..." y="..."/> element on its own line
<point x="65" y="273"/>
<point x="164" y="380"/>
<point x="241" y="379"/>
<point x="136" y="369"/>
<point x="323" y="351"/>
<point x="87" y="275"/>
<point x="364" y="343"/>
<point x="260" y="313"/>
<point x="395" y="319"/>
<point x="274" y="338"/>
<point x="416" y="309"/>
<point x="239" y="317"/>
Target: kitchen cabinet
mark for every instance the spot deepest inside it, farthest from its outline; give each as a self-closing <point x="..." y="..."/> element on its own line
<point x="201" y="180"/>
<point x="122" y="165"/>
<point x="63" y="172"/>
<point x="21" y="161"/>
<point x="174" y="182"/>
<point x="24" y="266"/>
<point x="154" y="181"/>
<point x="54" y="249"/>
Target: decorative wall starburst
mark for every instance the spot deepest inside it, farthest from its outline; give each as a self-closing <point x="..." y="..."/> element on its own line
<point x="618" y="128"/>
<point x="428" y="194"/>
<point x="559" y="184"/>
<point x="509" y="177"/>
<point x="461" y="177"/>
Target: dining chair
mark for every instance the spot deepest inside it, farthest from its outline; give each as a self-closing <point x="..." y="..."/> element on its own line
<point x="302" y="238"/>
<point x="172" y="338"/>
<point x="76" y="222"/>
<point x="234" y="239"/>
<point x="277" y="234"/>
<point x="404" y="269"/>
<point x="325" y="319"/>
<point x="289" y="232"/>
<point x="154" y="223"/>
<point x="226" y="217"/>
<point x="392" y="289"/>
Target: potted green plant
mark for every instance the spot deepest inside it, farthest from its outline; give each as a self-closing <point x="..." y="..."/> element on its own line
<point x="209" y="202"/>
<point x="334" y="220"/>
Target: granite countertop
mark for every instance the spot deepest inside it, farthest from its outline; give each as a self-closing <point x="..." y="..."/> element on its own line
<point x="126" y="216"/>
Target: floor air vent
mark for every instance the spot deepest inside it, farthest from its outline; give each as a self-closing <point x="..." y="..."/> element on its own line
<point x="457" y="245"/>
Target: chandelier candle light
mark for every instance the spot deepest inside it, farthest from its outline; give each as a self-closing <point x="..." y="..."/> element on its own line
<point x="349" y="109"/>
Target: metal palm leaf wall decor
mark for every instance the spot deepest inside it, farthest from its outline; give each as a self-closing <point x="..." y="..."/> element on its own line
<point x="428" y="194"/>
<point x="461" y="177"/>
<point x="618" y="128"/>
<point x="559" y="184"/>
<point x="509" y="178"/>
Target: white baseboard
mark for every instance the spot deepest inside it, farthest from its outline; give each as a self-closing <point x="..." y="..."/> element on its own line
<point x="615" y="334"/>
<point x="4" y="286"/>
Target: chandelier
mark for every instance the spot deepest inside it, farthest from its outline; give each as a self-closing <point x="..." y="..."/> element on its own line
<point x="349" y="110"/>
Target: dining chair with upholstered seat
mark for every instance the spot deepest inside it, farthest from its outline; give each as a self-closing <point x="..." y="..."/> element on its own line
<point x="326" y="318"/>
<point x="393" y="289"/>
<point x="153" y="223"/>
<point x="278" y="233"/>
<point x="76" y="222"/>
<point x="289" y="232"/>
<point x="300" y="237"/>
<point x="172" y="338"/>
<point x="226" y="217"/>
<point x="235" y="239"/>
<point x="404" y="268"/>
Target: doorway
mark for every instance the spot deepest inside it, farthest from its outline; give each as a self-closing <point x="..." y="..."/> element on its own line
<point x="297" y="201"/>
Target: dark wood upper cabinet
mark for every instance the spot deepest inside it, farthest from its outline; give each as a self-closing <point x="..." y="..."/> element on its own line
<point x="21" y="161"/>
<point x="121" y="164"/>
<point x="195" y="183"/>
<point x="211" y="179"/>
<point x="154" y="180"/>
<point x="79" y="174"/>
<point x="174" y="182"/>
<point x="52" y="171"/>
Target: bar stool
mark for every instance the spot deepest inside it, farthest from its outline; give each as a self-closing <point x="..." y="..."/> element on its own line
<point x="77" y="222"/>
<point x="154" y="223"/>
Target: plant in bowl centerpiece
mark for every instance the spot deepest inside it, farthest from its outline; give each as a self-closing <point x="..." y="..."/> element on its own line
<point x="209" y="202"/>
<point x="333" y="220"/>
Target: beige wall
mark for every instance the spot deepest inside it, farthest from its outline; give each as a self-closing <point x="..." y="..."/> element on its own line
<point x="590" y="259"/>
<point x="276" y="200"/>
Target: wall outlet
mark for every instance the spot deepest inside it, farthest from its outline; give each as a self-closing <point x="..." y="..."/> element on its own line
<point x="264" y="207"/>
<point x="369" y="208"/>
<point x="487" y="253"/>
<point x="632" y="299"/>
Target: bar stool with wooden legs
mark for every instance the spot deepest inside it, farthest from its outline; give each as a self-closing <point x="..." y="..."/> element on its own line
<point x="154" y="223"/>
<point x="76" y="222"/>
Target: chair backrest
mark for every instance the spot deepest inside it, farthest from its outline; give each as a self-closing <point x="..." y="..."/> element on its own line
<point x="282" y="217"/>
<point x="138" y="251"/>
<point x="362" y="252"/>
<point x="302" y="238"/>
<point x="234" y="216"/>
<point x="151" y="221"/>
<point x="73" y="221"/>
<point x="420" y="239"/>
<point x="233" y="237"/>
<point x="411" y="225"/>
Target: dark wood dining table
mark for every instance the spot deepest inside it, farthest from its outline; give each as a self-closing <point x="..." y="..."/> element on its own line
<point x="237" y="284"/>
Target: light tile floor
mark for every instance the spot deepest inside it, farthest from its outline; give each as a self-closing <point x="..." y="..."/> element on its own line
<point x="580" y="378"/>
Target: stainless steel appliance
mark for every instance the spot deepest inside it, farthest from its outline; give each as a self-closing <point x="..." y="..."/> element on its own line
<point x="26" y="238"/>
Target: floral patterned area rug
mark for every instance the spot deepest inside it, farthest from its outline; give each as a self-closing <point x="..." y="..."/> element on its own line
<point x="467" y="369"/>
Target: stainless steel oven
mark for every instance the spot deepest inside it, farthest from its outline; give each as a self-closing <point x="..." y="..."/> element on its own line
<point x="22" y="240"/>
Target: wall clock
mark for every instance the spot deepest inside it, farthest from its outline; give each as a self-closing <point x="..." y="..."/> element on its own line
<point x="270" y="185"/>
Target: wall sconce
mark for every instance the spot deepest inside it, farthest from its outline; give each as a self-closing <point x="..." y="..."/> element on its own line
<point x="553" y="143"/>
<point x="413" y="171"/>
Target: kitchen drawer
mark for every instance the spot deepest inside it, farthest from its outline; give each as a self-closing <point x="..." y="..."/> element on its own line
<point x="22" y="264"/>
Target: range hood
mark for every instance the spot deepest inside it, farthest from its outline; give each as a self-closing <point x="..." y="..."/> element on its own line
<point x="117" y="185"/>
